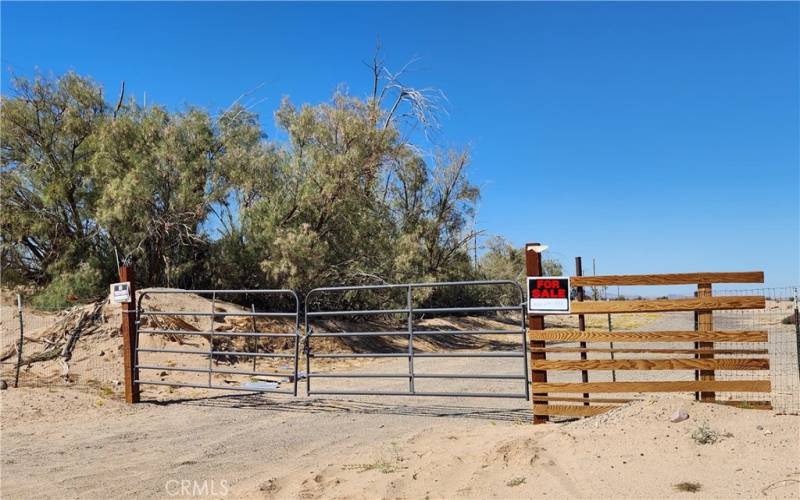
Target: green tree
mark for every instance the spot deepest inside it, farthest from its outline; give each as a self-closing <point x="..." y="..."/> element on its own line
<point x="348" y="199"/>
<point x="502" y="260"/>
<point x="552" y="267"/>
<point x="47" y="192"/>
<point x="196" y="200"/>
<point x="152" y="169"/>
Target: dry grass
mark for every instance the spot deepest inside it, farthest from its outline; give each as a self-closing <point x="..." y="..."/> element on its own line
<point x="705" y="435"/>
<point x="383" y="465"/>
<point x="625" y="321"/>
<point x="688" y="487"/>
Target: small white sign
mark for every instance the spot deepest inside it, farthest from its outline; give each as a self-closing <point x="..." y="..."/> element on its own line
<point x="121" y="292"/>
<point x="548" y="295"/>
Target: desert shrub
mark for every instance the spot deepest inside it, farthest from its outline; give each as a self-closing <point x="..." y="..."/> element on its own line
<point x="705" y="435"/>
<point x="70" y="287"/>
<point x="689" y="487"/>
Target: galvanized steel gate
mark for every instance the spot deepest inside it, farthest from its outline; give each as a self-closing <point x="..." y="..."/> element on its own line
<point x="411" y="331"/>
<point x="287" y="306"/>
<point x="211" y="334"/>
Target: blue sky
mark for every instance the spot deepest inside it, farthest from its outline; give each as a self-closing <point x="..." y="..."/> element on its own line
<point x="653" y="137"/>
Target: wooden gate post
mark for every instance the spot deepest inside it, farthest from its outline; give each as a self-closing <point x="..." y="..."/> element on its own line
<point x="129" y="338"/>
<point x="533" y="267"/>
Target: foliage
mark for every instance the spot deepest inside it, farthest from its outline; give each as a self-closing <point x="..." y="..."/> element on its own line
<point x="70" y="287"/>
<point x="552" y="267"/>
<point x="705" y="434"/>
<point x="196" y="200"/>
<point x="48" y="194"/>
<point x="503" y="260"/>
<point x="516" y="481"/>
<point x="152" y="169"/>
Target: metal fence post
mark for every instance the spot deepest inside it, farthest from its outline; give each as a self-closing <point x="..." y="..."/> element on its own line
<point x="533" y="267"/>
<point x="797" y="327"/>
<point x="582" y="325"/>
<point x="410" y="303"/>
<point x="525" y="362"/>
<point x="21" y="340"/>
<point x="797" y="313"/>
<point x="129" y="338"/>
<point x="611" y="347"/>
<point x="211" y="339"/>
<point x="296" y="343"/>
<point x="255" y="339"/>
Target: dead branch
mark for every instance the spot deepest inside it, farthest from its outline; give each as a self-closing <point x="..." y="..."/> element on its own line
<point x="119" y="101"/>
<point x="66" y="352"/>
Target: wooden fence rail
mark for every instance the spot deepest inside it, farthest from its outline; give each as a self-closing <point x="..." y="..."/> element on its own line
<point x="554" y="398"/>
<point x="646" y="306"/>
<point x="669" y="279"/>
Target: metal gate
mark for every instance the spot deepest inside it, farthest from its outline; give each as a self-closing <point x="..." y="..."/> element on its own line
<point x="411" y="330"/>
<point x="220" y="333"/>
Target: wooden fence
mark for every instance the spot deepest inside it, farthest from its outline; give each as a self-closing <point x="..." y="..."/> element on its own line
<point x="573" y="398"/>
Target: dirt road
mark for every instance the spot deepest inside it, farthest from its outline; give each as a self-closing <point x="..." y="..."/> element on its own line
<point x="68" y="444"/>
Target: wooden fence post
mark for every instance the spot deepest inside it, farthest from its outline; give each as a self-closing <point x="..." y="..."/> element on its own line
<point x="129" y="338"/>
<point x="533" y="267"/>
<point x="705" y="323"/>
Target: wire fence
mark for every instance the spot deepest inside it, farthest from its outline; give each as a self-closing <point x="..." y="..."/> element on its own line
<point x="77" y="346"/>
<point x="780" y="320"/>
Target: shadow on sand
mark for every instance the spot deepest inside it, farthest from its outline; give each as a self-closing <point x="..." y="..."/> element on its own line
<point x="262" y="402"/>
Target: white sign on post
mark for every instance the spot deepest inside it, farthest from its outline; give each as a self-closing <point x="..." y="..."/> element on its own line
<point x="548" y="295"/>
<point x="121" y="292"/>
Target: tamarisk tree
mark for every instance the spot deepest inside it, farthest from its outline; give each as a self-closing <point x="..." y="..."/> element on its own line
<point x="356" y="192"/>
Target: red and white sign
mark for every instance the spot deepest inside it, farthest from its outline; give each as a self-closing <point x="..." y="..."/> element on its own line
<point x="548" y="295"/>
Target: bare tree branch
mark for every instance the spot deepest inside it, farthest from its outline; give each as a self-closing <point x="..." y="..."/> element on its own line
<point x="119" y="101"/>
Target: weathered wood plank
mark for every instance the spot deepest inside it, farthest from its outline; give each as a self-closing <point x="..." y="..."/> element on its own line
<point x="672" y="386"/>
<point x="570" y="410"/>
<point x="654" y="364"/>
<point x="695" y="304"/>
<point x="668" y="279"/>
<point x="574" y="335"/>
<point x="654" y="350"/>
<point x="581" y="400"/>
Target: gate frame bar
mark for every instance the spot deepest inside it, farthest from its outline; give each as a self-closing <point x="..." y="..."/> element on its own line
<point x="410" y="333"/>
<point x="211" y="333"/>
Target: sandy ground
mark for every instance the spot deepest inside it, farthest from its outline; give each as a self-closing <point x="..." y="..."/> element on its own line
<point x="69" y="444"/>
<point x="62" y="442"/>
